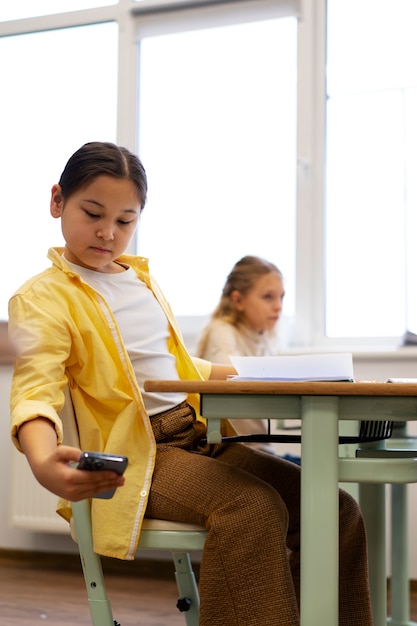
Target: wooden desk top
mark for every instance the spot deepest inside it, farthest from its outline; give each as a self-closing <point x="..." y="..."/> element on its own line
<point x="285" y="388"/>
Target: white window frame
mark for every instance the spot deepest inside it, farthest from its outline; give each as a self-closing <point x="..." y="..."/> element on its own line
<point x="310" y="288"/>
<point x="309" y="319"/>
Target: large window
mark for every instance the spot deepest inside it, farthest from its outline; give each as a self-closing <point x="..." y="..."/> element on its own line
<point x="58" y="91"/>
<point x="371" y="204"/>
<point x="217" y="134"/>
<point x="222" y="101"/>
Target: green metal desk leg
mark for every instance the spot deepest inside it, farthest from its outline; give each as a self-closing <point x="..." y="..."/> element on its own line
<point x="372" y="503"/>
<point x="319" y="512"/>
<point x="400" y="584"/>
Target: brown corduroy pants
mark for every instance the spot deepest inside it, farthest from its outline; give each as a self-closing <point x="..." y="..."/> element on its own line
<point x="249" y="502"/>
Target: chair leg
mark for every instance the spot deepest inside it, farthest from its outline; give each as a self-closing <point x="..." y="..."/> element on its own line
<point x="189" y="600"/>
<point x="100" y="609"/>
<point x="400" y="583"/>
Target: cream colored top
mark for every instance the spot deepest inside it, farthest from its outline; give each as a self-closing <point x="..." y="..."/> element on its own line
<point x="225" y="340"/>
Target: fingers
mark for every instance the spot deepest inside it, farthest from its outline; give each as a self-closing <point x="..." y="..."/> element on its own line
<point x="88" y="491"/>
<point x="104" y="479"/>
<point x="87" y="483"/>
<point x="74" y="484"/>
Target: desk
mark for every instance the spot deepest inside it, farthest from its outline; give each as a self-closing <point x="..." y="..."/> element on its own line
<point x="320" y="406"/>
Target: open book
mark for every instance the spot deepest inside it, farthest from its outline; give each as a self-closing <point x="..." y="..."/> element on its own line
<point x="303" y="367"/>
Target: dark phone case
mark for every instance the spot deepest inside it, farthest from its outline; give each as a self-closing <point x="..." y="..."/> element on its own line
<point x="99" y="461"/>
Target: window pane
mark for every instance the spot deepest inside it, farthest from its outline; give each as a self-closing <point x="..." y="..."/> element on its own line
<point x="217" y="138"/>
<point x="19" y="9"/>
<point x="411" y="206"/>
<point x="61" y="92"/>
<point x="371" y="210"/>
<point x="371" y="44"/>
<point x="365" y="262"/>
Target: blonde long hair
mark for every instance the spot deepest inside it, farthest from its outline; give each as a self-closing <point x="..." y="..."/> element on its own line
<point x="242" y="278"/>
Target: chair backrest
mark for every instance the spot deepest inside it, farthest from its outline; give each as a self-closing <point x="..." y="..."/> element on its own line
<point x="175" y="537"/>
<point x="69" y="422"/>
<point x="152" y="528"/>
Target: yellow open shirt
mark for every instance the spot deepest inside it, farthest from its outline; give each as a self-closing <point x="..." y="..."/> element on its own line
<point x="66" y="334"/>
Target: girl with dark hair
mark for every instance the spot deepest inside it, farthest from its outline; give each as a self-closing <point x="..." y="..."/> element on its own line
<point x="97" y="323"/>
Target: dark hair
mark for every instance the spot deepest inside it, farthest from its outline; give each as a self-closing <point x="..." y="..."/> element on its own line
<point x="102" y="159"/>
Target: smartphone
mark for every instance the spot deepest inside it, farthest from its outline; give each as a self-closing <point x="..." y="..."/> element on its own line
<point x="98" y="461"/>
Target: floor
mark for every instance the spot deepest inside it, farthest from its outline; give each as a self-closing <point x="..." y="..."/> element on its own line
<point x="44" y="589"/>
<point x="49" y="589"/>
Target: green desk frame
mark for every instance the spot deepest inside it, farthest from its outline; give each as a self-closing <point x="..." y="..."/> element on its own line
<point x="320" y="406"/>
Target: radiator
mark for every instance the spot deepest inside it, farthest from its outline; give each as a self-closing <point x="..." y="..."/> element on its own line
<point x="32" y="506"/>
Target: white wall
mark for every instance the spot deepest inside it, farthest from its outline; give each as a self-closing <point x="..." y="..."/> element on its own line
<point x="367" y="366"/>
<point x="13" y="538"/>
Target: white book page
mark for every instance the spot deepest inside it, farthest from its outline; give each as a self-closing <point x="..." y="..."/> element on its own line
<point x="307" y="367"/>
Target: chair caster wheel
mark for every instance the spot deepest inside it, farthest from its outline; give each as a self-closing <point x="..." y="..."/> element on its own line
<point x="184" y="604"/>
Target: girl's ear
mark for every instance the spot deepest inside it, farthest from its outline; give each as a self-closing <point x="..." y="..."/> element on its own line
<point x="57" y="201"/>
<point x="236" y="299"/>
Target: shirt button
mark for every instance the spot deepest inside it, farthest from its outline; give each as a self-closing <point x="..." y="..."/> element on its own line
<point x="111" y="325"/>
<point x="143" y="493"/>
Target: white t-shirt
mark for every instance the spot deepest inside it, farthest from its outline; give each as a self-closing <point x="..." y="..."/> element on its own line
<point x="144" y="329"/>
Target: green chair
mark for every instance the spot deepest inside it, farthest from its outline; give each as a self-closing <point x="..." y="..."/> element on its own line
<point x="372" y="469"/>
<point x="400" y="577"/>
<point x="175" y="537"/>
<point x="179" y="539"/>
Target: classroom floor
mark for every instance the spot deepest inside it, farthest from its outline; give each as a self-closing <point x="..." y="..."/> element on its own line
<point x="49" y="589"/>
